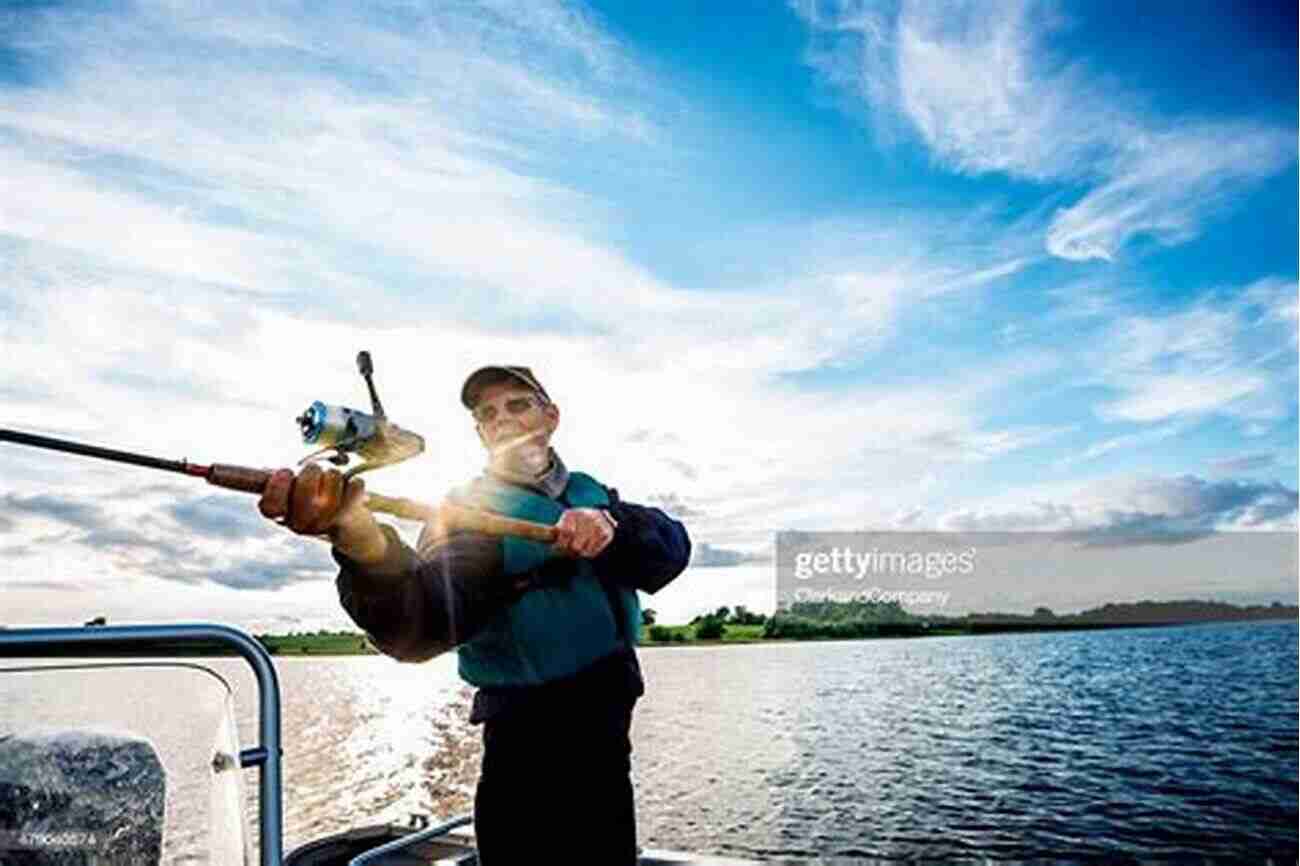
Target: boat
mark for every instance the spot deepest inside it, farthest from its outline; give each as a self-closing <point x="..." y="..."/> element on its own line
<point x="82" y="796"/>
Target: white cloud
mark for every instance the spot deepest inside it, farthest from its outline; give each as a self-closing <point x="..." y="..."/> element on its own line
<point x="1167" y="186"/>
<point x="71" y="210"/>
<point x="979" y="86"/>
<point x="1227" y="352"/>
<point x="1142" y="506"/>
<point x="1118" y="443"/>
<point x="970" y="83"/>
<point x="1279" y="301"/>
<point x="1244" y="464"/>
<point x="302" y="151"/>
<point x="1155" y="398"/>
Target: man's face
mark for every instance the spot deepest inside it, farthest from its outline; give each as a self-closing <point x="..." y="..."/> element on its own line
<point x="509" y="415"/>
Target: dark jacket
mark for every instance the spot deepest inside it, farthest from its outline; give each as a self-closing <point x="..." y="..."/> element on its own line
<point x="417" y="605"/>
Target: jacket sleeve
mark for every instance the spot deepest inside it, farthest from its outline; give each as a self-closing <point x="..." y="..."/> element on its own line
<point x="649" y="547"/>
<point x="416" y="606"/>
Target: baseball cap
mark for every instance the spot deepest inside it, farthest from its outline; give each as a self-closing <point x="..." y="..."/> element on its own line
<point x="494" y="375"/>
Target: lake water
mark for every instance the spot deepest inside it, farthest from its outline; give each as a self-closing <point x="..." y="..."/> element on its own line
<point x="1145" y="742"/>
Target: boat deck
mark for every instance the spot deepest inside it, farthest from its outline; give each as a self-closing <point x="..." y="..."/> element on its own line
<point x="455" y="848"/>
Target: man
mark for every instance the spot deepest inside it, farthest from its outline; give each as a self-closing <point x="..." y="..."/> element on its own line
<point x="547" y="634"/>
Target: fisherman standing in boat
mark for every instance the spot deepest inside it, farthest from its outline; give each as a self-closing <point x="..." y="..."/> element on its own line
<point x="547" y="634"/>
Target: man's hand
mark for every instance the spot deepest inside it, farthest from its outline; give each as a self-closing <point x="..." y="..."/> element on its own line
<point x="583" y="532"/>
<point x="316" y="502"/>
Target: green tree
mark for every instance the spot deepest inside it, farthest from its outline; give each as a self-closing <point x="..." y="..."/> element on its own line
<point x="648" y="616"/>
<point x="743" y="616"/>
<point x="711" y="628"/>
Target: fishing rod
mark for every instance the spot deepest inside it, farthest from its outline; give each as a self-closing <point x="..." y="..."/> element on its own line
<point x="342" y="433"/>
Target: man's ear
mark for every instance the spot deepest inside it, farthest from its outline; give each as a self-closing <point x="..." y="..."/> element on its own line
<point x="552" y="413"/>
<point x="481" y="438"/>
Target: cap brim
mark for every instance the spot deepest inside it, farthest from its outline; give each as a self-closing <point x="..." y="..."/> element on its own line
<point x="494" y="375"/>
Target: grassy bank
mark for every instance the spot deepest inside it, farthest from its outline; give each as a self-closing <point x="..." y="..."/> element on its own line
<point x="859" y="621"/>
<point x="806" y="621"/>
<point x="677" y="635"/>
<point x="342" y="643"/>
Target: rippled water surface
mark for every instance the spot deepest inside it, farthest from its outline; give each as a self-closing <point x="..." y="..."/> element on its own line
<point x="1155" y="742"/>
<point x="1143" y="742"/>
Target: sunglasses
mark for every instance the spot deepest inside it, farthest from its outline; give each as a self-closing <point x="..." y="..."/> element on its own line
<point x="513" y="406"/>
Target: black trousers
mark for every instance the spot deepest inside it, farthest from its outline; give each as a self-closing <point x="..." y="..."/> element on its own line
<point x="556" y="785"/>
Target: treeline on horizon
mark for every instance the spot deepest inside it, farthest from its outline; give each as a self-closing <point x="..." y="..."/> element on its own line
<point x="828" y="619"/>
<point x="811" y="620"/>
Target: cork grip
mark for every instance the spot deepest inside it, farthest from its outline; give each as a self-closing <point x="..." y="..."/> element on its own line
<point x="238" y="477"/>
<point x="448" y="518"/>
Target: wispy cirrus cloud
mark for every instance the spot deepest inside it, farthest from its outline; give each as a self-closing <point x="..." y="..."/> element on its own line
<point x="1225" y="352"/>
<point x="1242" y="465"/>
<point x="1166" y="184"/>
<point x="981" y="89"/>
<point x="309" y="148"/>
<point x="1155" y="398"/>
<point x="1123" y="442"/>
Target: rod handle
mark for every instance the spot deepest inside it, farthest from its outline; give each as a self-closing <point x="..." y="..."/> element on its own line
<point x="449" y="517"/>
<point x="397" y="506"/>
<point x="237" y="477"/>
<point x="464" y="517"/>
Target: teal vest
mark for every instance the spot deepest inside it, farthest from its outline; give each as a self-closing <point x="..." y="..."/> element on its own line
<point x="550" y="632"/>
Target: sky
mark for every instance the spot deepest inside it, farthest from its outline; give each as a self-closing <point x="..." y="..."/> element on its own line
<point x="807" y="266"/>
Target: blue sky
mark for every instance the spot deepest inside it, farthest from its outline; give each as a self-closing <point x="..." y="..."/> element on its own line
<point x="784" y="266"/>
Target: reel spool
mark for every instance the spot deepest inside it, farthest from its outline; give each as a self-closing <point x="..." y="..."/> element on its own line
<point x="328" y="426"/>
<point x="341" y="430"/>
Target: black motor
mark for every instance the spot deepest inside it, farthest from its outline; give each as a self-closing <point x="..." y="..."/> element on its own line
<point x="80" y="798"/>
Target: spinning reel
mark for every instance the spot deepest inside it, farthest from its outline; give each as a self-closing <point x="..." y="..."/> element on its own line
<point x="342" y="432"/>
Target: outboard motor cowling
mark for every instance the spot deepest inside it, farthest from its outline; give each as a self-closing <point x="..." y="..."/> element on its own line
<point x="77" y="798"/>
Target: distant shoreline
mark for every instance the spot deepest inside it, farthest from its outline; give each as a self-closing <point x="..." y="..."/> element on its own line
<point x="946" y="632"/>
<point x="285" y="645"/>
<point x="808" y="623"/>
<point x="334" y="644"/>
